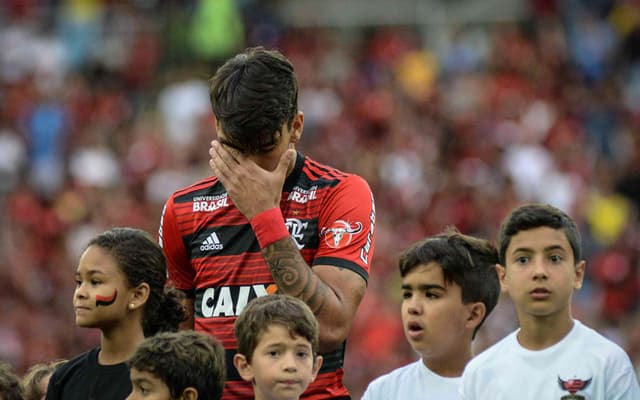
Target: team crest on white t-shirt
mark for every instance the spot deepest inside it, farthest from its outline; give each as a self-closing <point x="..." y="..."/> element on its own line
<point x="573" y="386"/>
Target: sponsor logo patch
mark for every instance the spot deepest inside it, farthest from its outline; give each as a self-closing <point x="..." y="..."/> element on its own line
<point x="302" y="196"/>
<point x="340" y="233"/>
<point x="228" y="301"/>
<point x="212" y="242"/>
<point x="210" y="203"/>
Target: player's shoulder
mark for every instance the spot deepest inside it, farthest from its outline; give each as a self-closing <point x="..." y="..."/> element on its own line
<point x="493" y="354"/>
<point x="332" y="179"/>
<point x="196" y="188"/>
<point x="597" y="342"/>
<point x="319" y="170"/>
<point x="401" y="374"/>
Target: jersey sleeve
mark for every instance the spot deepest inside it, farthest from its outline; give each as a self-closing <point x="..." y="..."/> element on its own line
<point x="374" y="390"/>
<point x="181" y="272"/>
<point x="346" y="227"/>
<point x="622" y="382"/>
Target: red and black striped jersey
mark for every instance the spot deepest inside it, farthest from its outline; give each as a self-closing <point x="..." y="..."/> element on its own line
<point x="213" y="254"/>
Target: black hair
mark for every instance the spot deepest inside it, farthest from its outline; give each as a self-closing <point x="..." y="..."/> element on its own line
<point x="531" y="216"/>
<point x="252" y="96"/>
<point x="467" y="261"/>
<point x="141" y="260"/>
<point x="183" y="359"/>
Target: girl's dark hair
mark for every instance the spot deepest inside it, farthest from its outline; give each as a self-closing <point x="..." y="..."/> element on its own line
<point x="141" y="260"/>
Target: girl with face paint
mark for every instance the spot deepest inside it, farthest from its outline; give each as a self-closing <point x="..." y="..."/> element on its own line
<point x="121" y="290"/>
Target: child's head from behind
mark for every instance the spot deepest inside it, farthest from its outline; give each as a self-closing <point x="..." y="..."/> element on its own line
<point x="36" y="379"/>
<point x="122" y="272"/>
<point x="10" y="384"/>
<point x="277" y="346"/>
<point x="449" y="287"/>
<point x="185" y="365"/>
<point x="540" y="260"/>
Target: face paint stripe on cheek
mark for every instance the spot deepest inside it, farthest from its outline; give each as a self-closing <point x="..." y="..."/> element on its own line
<point x="106" y="301"/>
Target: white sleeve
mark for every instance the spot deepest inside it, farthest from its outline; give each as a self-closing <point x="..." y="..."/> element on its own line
<point x="466" y="385"/>
<point x="377" y="389"/>
<point x="625" y="384"/>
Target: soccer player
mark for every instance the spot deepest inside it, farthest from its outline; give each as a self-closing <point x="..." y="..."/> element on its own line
<point x="552" y="355"/>
<point x="270" y="220"/>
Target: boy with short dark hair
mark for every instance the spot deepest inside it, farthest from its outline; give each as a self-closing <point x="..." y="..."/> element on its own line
<point x="183" y="365"/>
<point x="551" y="355"/>
<point x="277" y="347"/>
<point x="449" y="287"/>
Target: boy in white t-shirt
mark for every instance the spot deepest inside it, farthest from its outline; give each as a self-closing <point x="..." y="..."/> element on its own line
<point x="551" y="356"/>
<point x="449" y="286"/>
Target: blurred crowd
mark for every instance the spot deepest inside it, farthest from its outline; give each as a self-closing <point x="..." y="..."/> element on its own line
<point x="104" y="111"/>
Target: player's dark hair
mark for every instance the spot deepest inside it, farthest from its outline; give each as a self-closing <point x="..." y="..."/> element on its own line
<point x="141" y="260"/>
<point x="282" y="309"/>
<point x="531" y="216"/>
<point x="252" y="96"/>
<point x="183" y="359"/>
<point x="467" y="261"/>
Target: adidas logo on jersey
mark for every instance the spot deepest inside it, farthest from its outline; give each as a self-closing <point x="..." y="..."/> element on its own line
<point x="211" y="243"/>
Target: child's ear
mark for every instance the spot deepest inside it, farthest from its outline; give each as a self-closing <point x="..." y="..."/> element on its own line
<point x="243" y="367"/>
<point x="189" y="393"/>
<point x="476" y="314"/>
<point x="502" y="273"/>
<point x="316" y="367"/>
<point x="138" y="296"/>
<point x="579" y="271"/>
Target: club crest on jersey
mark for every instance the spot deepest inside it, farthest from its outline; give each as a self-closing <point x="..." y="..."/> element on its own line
<point x="296" y="229"/>
<point x="340" y="233"/>
<point x="573" y="386"/>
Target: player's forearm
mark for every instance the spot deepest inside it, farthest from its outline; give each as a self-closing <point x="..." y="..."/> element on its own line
<point x="294" y="277"/>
